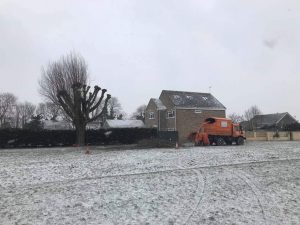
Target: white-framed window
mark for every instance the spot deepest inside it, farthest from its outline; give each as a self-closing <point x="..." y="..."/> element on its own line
<point x="151" y="115"/>
<point x="170" y="114"/>
<point x="198" y="111"/>
<point x="224" y="124"/>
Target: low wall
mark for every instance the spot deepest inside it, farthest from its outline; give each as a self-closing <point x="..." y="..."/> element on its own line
<point x="272" y="136"/>
<point x="295" y="136"/>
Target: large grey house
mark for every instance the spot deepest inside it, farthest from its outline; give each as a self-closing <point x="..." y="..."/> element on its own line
<point x="182" y="111"/>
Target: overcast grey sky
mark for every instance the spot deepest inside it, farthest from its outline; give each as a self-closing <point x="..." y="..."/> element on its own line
<point x="247" y="51"/>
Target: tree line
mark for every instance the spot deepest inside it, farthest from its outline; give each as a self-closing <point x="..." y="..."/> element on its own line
<point x="15" y="114"/>
<point x="247" y="116"/>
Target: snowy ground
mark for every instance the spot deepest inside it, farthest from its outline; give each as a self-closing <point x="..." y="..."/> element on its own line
<point x="258" y="183"/>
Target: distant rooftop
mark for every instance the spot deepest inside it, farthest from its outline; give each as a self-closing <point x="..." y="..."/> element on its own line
<point x="269" y="119"/>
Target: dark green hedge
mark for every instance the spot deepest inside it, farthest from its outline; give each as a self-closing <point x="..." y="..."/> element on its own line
<point x="45" y="138"/>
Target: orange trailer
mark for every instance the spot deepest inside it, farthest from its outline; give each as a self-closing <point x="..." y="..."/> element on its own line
<point x="219" y="131"/>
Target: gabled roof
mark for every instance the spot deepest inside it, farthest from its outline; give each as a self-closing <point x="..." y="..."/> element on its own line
<point x="158" y="103"/>
<point x="193" y="99"/>
<point x="270" y="119"/>
<point x="124" y="123"/>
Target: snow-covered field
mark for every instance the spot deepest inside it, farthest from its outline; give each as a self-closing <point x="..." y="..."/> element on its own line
<point x="258" y="183"/>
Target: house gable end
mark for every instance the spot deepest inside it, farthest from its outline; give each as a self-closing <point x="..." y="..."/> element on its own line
<point x="151" y="114"/>
<point x="165" y="99"/>
<point x="287" y="116"/>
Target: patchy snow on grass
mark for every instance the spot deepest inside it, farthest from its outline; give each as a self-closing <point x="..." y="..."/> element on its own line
<point x="257" y="183"/>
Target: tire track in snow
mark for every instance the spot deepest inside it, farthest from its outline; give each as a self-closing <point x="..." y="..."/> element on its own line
<point x="178" y="169"/>
<point x="256" y="192"/>
<point x="203" y="187"/>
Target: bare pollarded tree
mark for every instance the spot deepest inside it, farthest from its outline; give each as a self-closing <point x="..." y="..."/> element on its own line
<point x="7" y="102"/>
<point x="64" y="83"/>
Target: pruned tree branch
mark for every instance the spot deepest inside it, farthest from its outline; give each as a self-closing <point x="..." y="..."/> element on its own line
<point x="103" y="110"/>
<point x="99" y="101"/>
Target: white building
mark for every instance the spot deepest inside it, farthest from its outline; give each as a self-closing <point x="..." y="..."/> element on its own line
<point x="123" y="124"/>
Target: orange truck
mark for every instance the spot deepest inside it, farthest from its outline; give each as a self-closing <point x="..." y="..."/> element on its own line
<point x="219" y="131"/>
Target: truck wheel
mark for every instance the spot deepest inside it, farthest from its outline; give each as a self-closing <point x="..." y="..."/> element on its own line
<point x="240" y="141"/>
<point x="220" y="141"/>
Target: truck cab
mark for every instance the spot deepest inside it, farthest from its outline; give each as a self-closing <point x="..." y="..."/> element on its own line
<point x="237" y="130"/>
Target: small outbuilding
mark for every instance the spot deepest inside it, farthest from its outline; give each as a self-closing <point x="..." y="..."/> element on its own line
<point x="123" y="124"/>
<point x="57" y="125"/>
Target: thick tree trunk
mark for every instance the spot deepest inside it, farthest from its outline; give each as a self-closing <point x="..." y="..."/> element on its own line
<point x="80" y="134"/>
